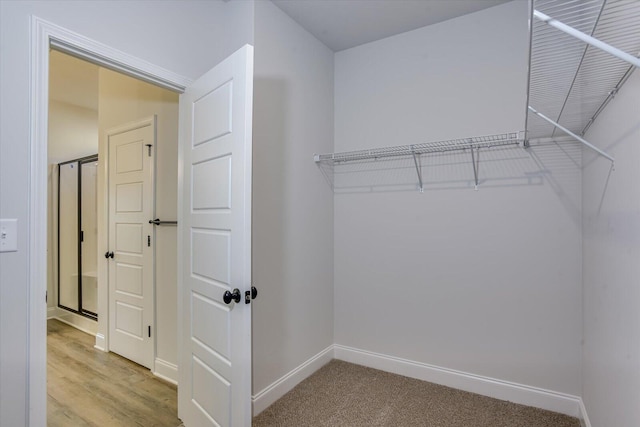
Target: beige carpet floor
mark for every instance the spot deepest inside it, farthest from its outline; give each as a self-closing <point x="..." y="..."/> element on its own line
<point x="342" y="394"/>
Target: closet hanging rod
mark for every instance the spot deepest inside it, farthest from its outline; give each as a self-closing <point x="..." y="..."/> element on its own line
<point x="568" y="132"/>
<point x="510" y="138"/>
<point x="587" y="38"/>
<point x="157" y="221"/>
<point x="612" y="93"/>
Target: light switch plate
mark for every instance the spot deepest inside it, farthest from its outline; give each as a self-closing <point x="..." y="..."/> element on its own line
<point x="8" y="235"/>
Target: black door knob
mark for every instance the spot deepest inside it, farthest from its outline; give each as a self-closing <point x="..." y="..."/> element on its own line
<point x="108" y="255"/>
<point x="228" y="296"/>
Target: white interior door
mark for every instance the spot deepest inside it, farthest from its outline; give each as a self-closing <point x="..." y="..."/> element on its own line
<point x="215" y="245"/>
<point x="131" y="256"/>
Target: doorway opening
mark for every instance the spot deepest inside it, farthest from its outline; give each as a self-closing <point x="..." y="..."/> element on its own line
<point x="208" y="106"/>
<point x="88" y="104"/>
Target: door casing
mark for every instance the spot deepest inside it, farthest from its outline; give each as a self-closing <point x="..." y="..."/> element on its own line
<point x="46" y="35"/>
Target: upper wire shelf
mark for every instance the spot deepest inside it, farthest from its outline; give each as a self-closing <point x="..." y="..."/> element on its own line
<point x="476" y="142"/>
<point x="582" y="52"/>
<point x="473" y="144"/>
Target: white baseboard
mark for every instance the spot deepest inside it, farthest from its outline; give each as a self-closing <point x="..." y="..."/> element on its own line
<point x="101" y="342"/>
<point x="82" y="323"/>
<point x="280" y="387"/>
<point x="166" y="370"/>
<point x="504" y="390"/>
<point x="584" y="418"/>
<point x="52" y="312"/>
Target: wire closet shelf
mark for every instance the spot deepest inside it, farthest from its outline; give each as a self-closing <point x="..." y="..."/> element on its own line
<point x="476" y="142"/>
<point x="582" y="52"/>
<point x="473" y="144"/>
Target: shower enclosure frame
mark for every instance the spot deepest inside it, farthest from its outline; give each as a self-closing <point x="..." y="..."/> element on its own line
<point x="80" y="161"/>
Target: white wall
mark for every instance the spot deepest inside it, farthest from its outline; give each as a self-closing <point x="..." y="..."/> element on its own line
<point x="292" y="205"/>
<point x="123" y="99"/>
<point x="187" y="38"/>
<point x="484" y="282"/>
<point x="611" y="266"/>
<point x="73" y="132"/>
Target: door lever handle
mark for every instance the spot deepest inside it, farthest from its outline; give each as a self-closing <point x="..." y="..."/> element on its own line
<point x="108" y="255"/>
<point x="158" y="221"/>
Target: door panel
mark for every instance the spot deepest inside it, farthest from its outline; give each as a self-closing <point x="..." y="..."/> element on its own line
<point x="216" y="103"/>
<point x="215" y="245"/>
<point x="129" y="157"/>
<point x="129" y="279"/>
<point x="129" y="238"/>
<point x="129" y="197"/>
<point x="207" y="245"/>
<point x="131" y="269"/>
<point x="207" y="196"/>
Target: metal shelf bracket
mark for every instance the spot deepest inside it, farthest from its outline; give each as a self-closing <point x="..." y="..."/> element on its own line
<point x="418" y="171"/>
<point x="475" y="161"/>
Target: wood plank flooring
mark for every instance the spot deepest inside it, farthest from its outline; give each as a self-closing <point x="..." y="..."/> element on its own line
<point x="88" y="387"/>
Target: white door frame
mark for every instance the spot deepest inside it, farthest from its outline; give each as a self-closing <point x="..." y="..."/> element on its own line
<point x="45" y="35"/>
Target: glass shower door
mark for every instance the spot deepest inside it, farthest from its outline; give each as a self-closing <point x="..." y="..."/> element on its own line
<point x="68" y="236"/>
<point x="89" y="236"/>
<point x="77" y="236"/>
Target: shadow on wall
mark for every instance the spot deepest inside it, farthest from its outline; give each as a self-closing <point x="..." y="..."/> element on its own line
<point x="554" y="164"/>
<point x="269" y="192"/>
<point x="590" y="158"/>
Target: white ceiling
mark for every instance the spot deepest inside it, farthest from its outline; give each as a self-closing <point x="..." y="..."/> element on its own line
<point x="342" y="24"/>
<point x="339" y="24"/>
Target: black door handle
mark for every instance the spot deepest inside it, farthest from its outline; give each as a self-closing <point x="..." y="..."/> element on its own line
<point x="108" y="255"/>
<point x="228" y="296"/>
<point x="157" y="221"/>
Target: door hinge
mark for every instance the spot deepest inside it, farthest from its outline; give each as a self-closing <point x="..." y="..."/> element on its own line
<point x="149" y="147"/>
<point x="81" y="235"/>
<point x="46" y="296"/>
<point x="149" y="241"/>
<point x="149" y="331"/>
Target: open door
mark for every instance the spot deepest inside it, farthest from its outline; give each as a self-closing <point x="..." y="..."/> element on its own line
<point x="214" y="246"/>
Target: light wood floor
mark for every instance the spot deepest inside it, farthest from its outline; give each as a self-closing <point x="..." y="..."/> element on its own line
<point x="87" y="387"/>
